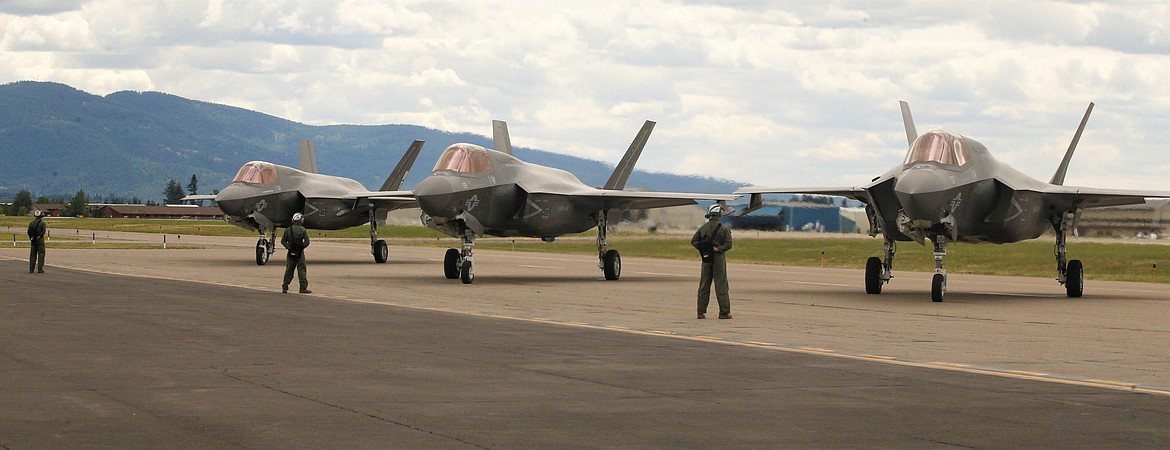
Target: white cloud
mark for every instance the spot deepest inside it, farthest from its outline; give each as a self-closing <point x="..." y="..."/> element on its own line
<point x="774" y="92"/>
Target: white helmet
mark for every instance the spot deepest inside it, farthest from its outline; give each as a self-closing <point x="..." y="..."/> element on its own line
<point x="715" y="210"/>
<point x="38" y="213"/>
<point x="298" y="217"/>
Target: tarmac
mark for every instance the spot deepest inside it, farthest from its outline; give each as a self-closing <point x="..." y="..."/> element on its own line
<point x="197" y="348"/>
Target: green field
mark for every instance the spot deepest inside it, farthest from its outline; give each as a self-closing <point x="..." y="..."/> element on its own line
<point x="1103" y="261"/>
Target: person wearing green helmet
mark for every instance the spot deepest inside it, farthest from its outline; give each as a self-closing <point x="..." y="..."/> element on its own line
<point x="713" y="240"/>
<point x="295" y="239"/>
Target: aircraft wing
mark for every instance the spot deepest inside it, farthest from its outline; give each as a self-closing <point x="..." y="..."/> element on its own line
<point x="757" y="194"/>
<point x="618" y="199"/>
<point x="1084" y="197"/>
<point x="389" y="200"/>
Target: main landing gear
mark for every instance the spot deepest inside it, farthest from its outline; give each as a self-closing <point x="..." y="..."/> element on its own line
<point x="609" y="261"/>
<point x="377" y="246"/>
<point x="878" y="271"/>
<point x="265" y="246"/>
<point x="1069" y="273"/>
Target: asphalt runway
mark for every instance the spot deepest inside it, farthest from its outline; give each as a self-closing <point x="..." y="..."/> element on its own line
<point x="197" y="348"/>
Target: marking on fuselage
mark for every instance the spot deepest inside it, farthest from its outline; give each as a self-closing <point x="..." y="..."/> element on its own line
<point x="1019" y="210"/>
<point x="536" y="209"/>
<point x="471" y="203"/>
<point x="310" y="209"/>
<point x="260" y="205"/>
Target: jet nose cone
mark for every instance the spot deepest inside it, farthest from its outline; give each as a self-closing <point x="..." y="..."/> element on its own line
<point x="432" y="194"/>
<point x="923" y="194"/>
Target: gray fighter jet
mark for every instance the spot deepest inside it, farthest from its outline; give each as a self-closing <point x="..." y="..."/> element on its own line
<point x="475" y="191"/>
<point x="264" y="196"/>
<point x="950" y="188"/>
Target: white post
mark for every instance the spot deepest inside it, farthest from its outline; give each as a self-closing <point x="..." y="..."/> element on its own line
<point x="164" y="241"/>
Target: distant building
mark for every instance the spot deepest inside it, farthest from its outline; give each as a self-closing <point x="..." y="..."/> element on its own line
<point x="158" y="212"/>
<point x="1150" y="218"/>
<point x="50" y="209"/>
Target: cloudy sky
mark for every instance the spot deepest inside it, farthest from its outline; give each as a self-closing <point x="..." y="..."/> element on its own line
<point x="791" y="93"/>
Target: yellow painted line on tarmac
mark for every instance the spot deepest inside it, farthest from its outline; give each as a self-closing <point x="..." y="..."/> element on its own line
<point x="936" y="365"/>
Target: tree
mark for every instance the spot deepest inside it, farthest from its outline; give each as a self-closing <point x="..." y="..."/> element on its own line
<point x="193" y="188"/>
<point x="77" y="206"/>
<point x="21" y="204"/>
<point x="173" y="194"/>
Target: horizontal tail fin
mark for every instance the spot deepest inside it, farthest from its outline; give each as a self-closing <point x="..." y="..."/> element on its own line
<point x="622" y="172"/>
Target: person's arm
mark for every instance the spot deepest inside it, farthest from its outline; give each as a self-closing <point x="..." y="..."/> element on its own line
<point x="723" y="240"/>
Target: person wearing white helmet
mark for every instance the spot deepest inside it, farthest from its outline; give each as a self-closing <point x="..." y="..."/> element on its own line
<point x="36" y="239"/>
<point x="713" y="240"/>
<point x="295" y="239"/>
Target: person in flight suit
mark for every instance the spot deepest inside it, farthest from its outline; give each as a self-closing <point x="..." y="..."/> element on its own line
<point x="295" y="239"/>
<point x="36" y="238"/>
<point x="713" y="240"/>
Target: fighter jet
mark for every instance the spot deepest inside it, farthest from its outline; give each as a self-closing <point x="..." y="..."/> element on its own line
<point x="949" y="188"/>
<point x="474" y="191"/>
<point x="263" y="197"/>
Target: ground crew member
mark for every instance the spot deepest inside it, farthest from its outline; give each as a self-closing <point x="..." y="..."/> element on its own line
<point x="713" y="240"/>
<point x="36" y="239"/>
<point x="295" y="239"/>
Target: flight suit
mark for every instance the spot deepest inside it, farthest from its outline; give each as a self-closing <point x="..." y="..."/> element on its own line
<point x="715" y="271"/>
<point x="36" y="248"/>
<point x="295" y="239"/>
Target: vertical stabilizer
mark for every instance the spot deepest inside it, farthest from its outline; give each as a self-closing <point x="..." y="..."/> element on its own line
<point x="908" y="122"/>
<point x="1058" y="177"/>
<point x="500" y="139"/>
<point x="622" y="172"/>
<point x="398" y="175"/>
<point x="308" y="161"/>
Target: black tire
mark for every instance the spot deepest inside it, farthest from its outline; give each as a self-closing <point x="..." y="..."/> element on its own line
<point x="873" y="275"/>
<point x="261" y="253"/>
<point x="451" y="264"/>
<point x="938" y="287"/>
<point x="381" y="251"/>
<point x="1074" y="282"/>
<point x="612" y="264"/>
<point x="465" y="273"/>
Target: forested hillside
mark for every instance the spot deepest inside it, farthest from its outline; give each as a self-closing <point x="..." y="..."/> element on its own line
<point x="56" y="140"/>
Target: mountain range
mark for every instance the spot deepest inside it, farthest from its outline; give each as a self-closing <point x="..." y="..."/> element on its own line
<point x="56" y="140"/>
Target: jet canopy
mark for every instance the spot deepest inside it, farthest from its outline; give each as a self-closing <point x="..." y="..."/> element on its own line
<point x="256" y="172"/>
<point x="464" y="158"/>
<point x="938" y="146"/>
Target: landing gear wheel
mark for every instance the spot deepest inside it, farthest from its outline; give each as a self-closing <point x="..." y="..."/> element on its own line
<point x="938" y="286"/>
<point x="465" y="273"/>
<point x="261" y="252"/>
<point x="1075" y="284"/>
<point x="873" y="275"/>
<point x="381" y="252"/>
<point x="451" y="264"/>
<point x="613" y="265"/>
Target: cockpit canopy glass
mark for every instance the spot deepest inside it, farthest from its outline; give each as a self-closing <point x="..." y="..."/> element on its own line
<point x="464" y="158"/>
<point x="256" y="172"/>
<point x="938" y="146"/>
